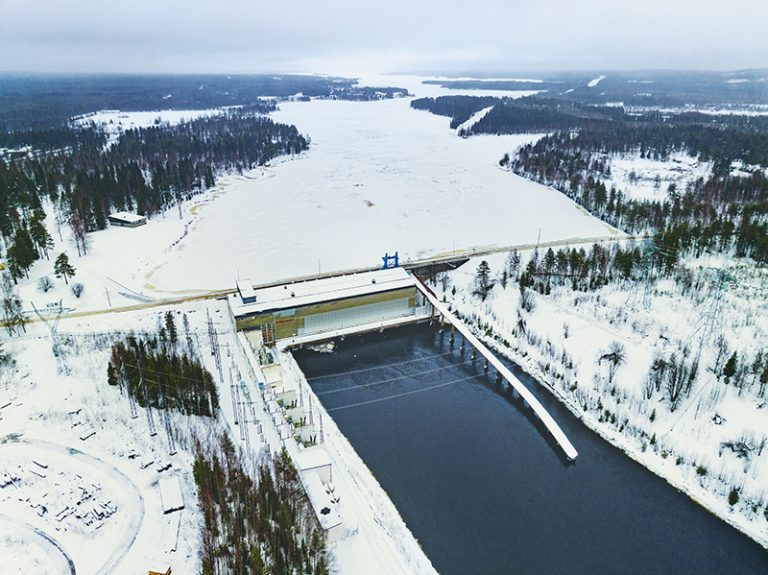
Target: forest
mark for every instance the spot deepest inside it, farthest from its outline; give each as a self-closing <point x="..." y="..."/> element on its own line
<point x="161" y="371"/>
<point x="40" y="102"/>
<point x="723" y="213"/>
<point x="641" y="88"/>
<point x="147" y="170"/>
<point x="255" y="526"/>
<point x="458" y="108"/>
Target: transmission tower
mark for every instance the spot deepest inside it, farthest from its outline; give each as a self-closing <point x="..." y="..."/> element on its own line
<point x="58" y="349"/>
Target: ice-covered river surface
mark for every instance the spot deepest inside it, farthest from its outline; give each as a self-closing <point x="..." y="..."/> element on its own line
<point x="484" y="491"/>
<point x="379" y="176"/>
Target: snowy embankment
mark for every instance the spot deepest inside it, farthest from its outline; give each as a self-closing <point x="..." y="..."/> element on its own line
<point x="713" y="443"/>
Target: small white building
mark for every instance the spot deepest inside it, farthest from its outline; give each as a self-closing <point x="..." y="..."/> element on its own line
<point x="126" y="219"/>
<point x="170" y="494"/>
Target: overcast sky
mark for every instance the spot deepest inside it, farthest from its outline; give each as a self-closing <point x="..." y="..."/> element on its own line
<point x="342" y="36"/>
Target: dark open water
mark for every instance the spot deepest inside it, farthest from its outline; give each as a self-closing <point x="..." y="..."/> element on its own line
<point x="486" y="492"/>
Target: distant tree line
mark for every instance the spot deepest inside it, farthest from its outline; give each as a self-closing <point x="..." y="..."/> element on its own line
<point x="723" y="212"/>
<point x="257" y="526"/>
<point x="41" y="102"/>
<point x="635" y="88"/>
<point x="458" y="108"/>
<point x="518" y="115"/>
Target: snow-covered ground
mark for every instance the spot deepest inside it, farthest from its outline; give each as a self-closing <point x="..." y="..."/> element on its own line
<point x="474" y="119"/>
<point x="79" y="472"/>
<point x="648" y="179"/>
<point x="715" y="440"/>
<point x="79" y="477"/>
<point x="378" y="177"/>
<point x="595" y="81"/>
<point x="115" y="122"/>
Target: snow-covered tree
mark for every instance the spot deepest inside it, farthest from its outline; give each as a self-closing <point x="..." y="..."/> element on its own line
<point x="483" y="283"/>
<point x="13" y="313"/>
<point x="77" y="289"/>
<point x="45" y="284"/>
<point x="615" y="356"/>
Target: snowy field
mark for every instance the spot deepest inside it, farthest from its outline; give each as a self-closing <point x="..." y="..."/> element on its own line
<point x="717" y="437"/>
<point x="78" y="476"/>
<point x="648" y="179"/>
<point x="115" y="122"/>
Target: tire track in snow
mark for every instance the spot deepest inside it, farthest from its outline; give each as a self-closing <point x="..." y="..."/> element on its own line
<point x="134" y="508"/>
<point x="46" y="539"/>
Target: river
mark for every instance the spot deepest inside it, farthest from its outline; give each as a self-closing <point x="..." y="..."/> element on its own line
<point x="485" y="491"/>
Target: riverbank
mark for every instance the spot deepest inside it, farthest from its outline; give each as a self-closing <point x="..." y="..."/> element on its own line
<point x="559" y="341"/>
<point x="482" y="487"/>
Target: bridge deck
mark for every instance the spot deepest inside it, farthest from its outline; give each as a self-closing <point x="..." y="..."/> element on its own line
<point x="530" y="399"/>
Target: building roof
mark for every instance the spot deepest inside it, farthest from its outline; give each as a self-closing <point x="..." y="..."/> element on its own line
<point x="309" y="292"/>
<point x="127" y="217"/>
<point x="170" y="494"/>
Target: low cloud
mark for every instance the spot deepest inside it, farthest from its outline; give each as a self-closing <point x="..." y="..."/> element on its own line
<point x="242" y="36"/>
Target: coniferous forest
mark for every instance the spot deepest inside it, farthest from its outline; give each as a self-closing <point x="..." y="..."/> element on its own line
<point x="147" y="170"/>
<point x="724" y="212"/>
<point x="254" y="526"/>
<point x="156" y="372"/>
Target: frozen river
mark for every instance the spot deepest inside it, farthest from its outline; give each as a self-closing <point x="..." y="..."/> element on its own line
<point x="379" y="176"/>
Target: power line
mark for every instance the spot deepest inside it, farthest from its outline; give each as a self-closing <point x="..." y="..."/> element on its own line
<point x="391" y="379"/>
<point x="364" y="369"/>
<point x="403" y="394"/>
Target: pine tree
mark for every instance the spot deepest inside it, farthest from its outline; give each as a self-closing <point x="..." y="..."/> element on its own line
<point x="483" y="279"/>
<point x="170" y="327"/>
<point x="730" y="367"/>
<point x="21" y="254"/>
<point x="39" y="234"/>
<point x="63" y="268"/>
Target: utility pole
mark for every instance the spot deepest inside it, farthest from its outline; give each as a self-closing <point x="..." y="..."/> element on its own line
<point x="233" y="393"/>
